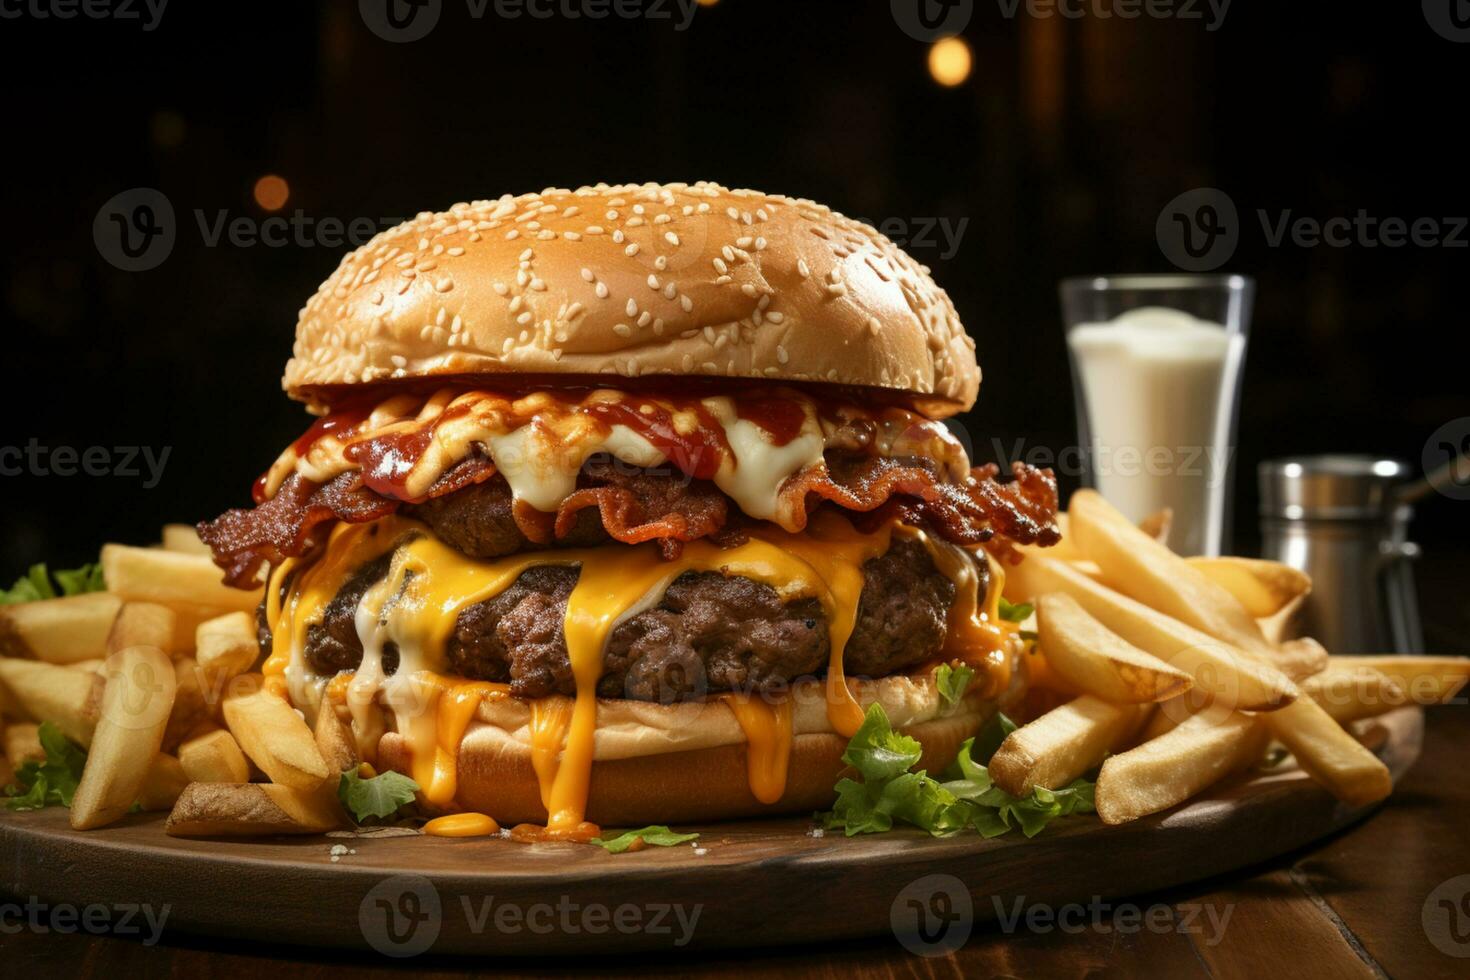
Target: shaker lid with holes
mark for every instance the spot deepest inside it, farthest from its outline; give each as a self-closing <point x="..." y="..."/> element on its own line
<point x="1330" y="487"/>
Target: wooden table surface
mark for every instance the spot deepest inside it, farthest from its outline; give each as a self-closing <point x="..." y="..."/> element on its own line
<point x="1390" y="897"/>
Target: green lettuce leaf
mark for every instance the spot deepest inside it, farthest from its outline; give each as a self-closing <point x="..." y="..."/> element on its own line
<point x="52" y="782"/>
<point x="1015" y="612"/>
<point x="657" y="835"/>
<point x="378" y="796"/>
<point x="35" y="584"/>
<point x="890" y="793"/>
<point x="952" y="682"/>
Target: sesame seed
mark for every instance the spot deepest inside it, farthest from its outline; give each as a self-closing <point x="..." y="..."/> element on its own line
<point x="631" y="250"/>
<point x="602" y="290"/>
<point x="515" y="304"/>
<point x="748" y="289"/>
<point x="721" y="267"/>
<point x="632" y="307"/>
<point x="524" y="318"/>
<point x="623" y="330"/>
<point x="399" y="361"/>
<point x="611" y="215"/>
<point x="670" y="291"/>
<point x="587" y="275"/>
<point x="744" y="241"/>
<point x="671" y="238"/>
<point x="781" y="354"/>
<point x="572" y="236"/>
<point x="635" y="222"/>
<point x="594" y="229"/>
<point x="618" y="236"/>
<point x="802" y="268"/>
<point x="775" y="317"/>
<point x="661" y="263"/>
<point x="874" y="326"/>
<point x="652" y="281"/>
<point x="526" y="255"/>
<point x="574" y="311"/>
<point x="538" y="284"/>
<point x="512" y="234"/>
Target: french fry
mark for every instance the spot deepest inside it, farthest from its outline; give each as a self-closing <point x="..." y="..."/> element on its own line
<point x="1089" y="656"/>
<point x="70" y="699"/>
<point x="214" y="757"/>
<point x="1425" y="679"/>
<point x="142" y="624"/>
<point x="188" y="617"/>
<point x="1300" y="658"/>
<point x="1263" y="587"/>
<point x="59" y="631"/>
<point x="23" y="743"/>
<point x="334" y="738"/>
<point x="1328" y="754"/>
<point x="91" y="666"/>
<point x="136" y="702"/>
<point x="1063" y="744"/>
<point x="183" y="538"/>
<point x="1168" y="770"/>
<point x="163" y="784"/>
<point x="1157" y="525"/>
<point x="1138" y="566"/>
<point x="171" y="578"/>
<point x="194" y="702"/>
<point x="275" y="738"/>
<point x="1349" y="692"/>
<point x="227" y="645"/>
<point x="1217" y="669"/>
<point x="251" y="810"/>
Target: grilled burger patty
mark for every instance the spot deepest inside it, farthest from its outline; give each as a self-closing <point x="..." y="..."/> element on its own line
<point x="708" y="633"/>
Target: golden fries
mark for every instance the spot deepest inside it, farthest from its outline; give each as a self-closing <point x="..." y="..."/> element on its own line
<point x="23" y="743"/>
<point x="214" y="757"/>
<point x="1087" y="655"/>
<point x="1138" y="566"/>
<point x="227" y="645"/>
<point x="1063" y="744"/>
<point x="1349" y="692"/>
<point x="1167" y="770"/>
<point x="251" y="810"/>
<point x="1329" y="754"/>
<point x="275" y="738"/>
<point x="70" y="699"/>
<point x="142" y="624"/>
<point x="135" y="707"/>
<point x="334" y="738"/>
<point x="1216" y="668"/>
<point x="59" y="631"/>
<point x="1263" y="588"/>
<point x="1426" y="680"/>
<point x="183" y="538"/>
<point x="1300" y="658"/>
<point x="171" y="578"/>
<point x="1157" y="524"/>
<point x="163" y="785"/>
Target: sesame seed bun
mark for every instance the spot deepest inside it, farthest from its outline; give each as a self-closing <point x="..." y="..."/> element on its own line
<point x="635" y="280"/>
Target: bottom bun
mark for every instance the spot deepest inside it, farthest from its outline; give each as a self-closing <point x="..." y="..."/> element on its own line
<point x="496" y="776"/>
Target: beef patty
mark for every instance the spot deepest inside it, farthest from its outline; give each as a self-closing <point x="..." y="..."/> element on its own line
<point x="708" y="633"/>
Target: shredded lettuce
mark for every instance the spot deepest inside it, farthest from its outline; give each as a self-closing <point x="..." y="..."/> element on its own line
<point x="1015" y="612"/>
<point x="52" y="782"/>
<point x="657" y="835"/>
<point x="35" y="584"/>
<point x="890" y="792"/>
<point x="952" y="682"/>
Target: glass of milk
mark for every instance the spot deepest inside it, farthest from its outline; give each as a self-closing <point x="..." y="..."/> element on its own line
<point x="1156" y="371"/>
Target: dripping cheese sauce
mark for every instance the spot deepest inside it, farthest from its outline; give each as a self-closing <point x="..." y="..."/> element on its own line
<point x="415" y="606"/>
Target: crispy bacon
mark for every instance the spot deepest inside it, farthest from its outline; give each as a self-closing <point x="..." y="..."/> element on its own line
<point x="636" y="506"/>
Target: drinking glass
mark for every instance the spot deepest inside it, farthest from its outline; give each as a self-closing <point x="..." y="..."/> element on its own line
<point x="1156" y="370"/>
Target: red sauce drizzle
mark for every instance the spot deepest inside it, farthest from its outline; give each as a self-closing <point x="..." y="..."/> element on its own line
<point x="781" y="417"/>
<point x="697" y="453"/>
<point x="388" y="459"/>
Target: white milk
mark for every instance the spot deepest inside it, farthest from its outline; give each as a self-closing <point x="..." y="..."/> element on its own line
<point x="1158" y="386"/>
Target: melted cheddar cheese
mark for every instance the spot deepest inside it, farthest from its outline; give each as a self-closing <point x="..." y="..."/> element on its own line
<point x="428" y="584"/>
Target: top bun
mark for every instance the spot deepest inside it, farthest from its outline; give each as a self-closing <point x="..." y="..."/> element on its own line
<point x="639" y="279"/>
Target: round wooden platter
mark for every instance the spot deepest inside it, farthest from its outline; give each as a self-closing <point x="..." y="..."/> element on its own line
<point x="763" y="882"/>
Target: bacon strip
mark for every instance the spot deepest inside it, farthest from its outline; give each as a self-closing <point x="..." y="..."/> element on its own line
<point x="636" y="506"/>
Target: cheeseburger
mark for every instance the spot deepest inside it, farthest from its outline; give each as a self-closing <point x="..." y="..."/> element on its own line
<point x="624" y="503"/>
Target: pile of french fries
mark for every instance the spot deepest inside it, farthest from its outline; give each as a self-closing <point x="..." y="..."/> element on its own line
<point x="1172" y="673"/>
<point x="152" y="678"/>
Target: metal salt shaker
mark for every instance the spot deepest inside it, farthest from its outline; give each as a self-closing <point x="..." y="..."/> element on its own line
<point x="1339" y="519"/>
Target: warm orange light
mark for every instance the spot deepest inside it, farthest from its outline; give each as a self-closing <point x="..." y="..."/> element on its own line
<point x="708" y="3"/>
<point x="949" y="61"/>
<point x="272" y="192"/>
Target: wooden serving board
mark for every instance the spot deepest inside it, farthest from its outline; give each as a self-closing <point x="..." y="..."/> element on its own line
<point x="763" y="882"/>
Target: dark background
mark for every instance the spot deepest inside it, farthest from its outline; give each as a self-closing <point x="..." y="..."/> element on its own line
<point x="1060" y="149"/>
